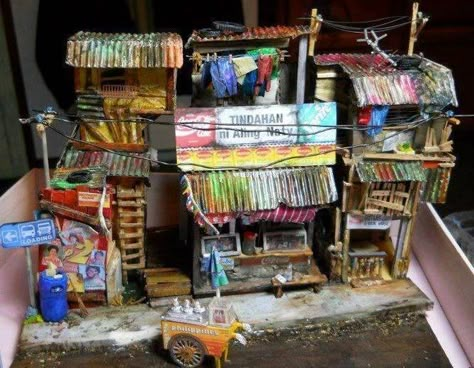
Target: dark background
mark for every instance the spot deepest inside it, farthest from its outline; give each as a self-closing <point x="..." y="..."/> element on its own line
<point x="447" y="39"/>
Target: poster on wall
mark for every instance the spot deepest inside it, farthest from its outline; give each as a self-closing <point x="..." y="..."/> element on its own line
<point x="253" y="136"/>
<point x="369" y="222"/>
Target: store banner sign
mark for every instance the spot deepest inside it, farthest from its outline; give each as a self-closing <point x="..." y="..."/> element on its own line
<point x="249" y="136"/>
<point x="368" y="222"/>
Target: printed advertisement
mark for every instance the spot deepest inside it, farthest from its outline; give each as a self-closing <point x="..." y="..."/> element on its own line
<point x="369" y="222"/>
<point x="252" y="136"/>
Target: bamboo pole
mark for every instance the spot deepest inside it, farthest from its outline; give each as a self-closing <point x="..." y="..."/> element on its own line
<point x="314" y="28"/>
<point x="413" y="29"/>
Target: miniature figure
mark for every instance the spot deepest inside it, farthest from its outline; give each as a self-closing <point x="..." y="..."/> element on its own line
<point x="198" y="308"/>
<point x="176" y="306"/>
<point x="187" y="307"/>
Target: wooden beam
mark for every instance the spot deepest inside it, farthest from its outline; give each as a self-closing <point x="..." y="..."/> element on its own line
<point x="301" y="74"/>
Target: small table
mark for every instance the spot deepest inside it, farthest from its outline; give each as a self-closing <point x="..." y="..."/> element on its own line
<point x="313" y="280"/>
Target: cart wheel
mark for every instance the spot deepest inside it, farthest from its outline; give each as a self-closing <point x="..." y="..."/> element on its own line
<point x="186" y="351"/>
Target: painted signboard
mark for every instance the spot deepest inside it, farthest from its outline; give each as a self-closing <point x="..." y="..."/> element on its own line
<point x="253" y="136"/>
<point x="25" y="234"/>
<point x="369" y="222"/>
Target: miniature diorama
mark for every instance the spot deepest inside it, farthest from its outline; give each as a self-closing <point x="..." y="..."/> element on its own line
<point x="281" y="190"/>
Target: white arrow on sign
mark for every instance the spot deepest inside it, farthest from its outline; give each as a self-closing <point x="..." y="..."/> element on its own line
<point x="10" y="236"/>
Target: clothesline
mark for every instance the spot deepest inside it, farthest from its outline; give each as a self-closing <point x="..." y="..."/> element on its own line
<point x="282" y="54"/>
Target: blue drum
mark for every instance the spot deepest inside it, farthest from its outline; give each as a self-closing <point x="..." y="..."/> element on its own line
<point x="53" y="296"/>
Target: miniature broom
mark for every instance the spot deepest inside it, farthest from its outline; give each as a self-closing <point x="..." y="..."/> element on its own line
<point x="84" y="312"/>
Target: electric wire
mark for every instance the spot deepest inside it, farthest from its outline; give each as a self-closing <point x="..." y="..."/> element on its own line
<point x="393" y="122"/>
<point x="419" y="123"/>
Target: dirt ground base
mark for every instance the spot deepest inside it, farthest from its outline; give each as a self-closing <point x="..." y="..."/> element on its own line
<point x="395" y="341"/>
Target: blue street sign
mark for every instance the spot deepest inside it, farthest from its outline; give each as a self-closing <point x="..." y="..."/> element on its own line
<point x="25" y="234"/>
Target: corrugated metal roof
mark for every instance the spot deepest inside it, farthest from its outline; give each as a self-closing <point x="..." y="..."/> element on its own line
<point x="252" y="33"/>
<point x="125" y="50"/>
<point x="254" y="190"/>
<point x="377" y="82"/>
<point x="117" y="164"/>
<point x="381" y="171"/>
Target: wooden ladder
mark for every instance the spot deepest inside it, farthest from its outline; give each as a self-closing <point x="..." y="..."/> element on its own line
<point x="131" y="227"/>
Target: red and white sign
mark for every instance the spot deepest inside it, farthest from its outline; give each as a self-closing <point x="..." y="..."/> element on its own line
<point x="87" y="199"/>
<point x="195" y="127"/>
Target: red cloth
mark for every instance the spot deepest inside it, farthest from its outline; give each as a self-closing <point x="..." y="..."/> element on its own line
<point x="281" y="214"/>
<point x="284" y="214"/>
<point x="265" y="66"/>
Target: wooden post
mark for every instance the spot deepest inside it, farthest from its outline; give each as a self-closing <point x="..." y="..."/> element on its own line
<point x="41" y="130"/>
<point x="337" y="226"/>
<point x="301" y="74"/>
<point x="345" y="252"/>
<point x="413" y="29"/>
<point x="314" y="29"/>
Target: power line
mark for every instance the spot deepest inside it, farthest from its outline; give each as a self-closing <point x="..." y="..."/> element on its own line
<point x="423" y="121"/>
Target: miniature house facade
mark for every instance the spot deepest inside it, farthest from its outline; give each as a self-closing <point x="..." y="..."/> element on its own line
<point x="256" y="173"/>
<point x="399" y="155"/>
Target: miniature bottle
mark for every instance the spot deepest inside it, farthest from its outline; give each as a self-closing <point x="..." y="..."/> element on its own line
<point x="248" y="246"/>
<point x="289" y="272"/>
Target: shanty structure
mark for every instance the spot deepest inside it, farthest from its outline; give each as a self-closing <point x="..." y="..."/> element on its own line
<point x="399" y="153"/>
<point x="122" y="81"/>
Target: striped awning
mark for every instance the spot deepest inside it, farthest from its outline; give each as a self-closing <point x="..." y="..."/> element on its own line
<point x="247" y="191"/>
<point x="125" y="50"/>
<point x="382" y="171"/>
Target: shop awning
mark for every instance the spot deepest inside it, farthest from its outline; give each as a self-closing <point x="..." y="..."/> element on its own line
<point x="377" y="82"/>
<point x="271" y="194"/>
<point x="382" y="171"/>
<point x="125" y="50"/>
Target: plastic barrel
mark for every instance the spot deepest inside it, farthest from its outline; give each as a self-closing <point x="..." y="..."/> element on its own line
<point x="53" y="296"/>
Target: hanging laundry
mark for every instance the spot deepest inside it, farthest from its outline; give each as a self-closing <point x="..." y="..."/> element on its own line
<point x="378" y="116"/>
<point x="243" y="66"/>
<point x="248" y="86"/>
<point x="206" y="77"/>
<point x="270" y="97"/>
<point x="223" y="78"/>
<point x="270" y="51"/>
<point x="265" y="65"/>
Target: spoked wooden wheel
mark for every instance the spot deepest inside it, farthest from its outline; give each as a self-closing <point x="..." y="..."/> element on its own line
<point x="186" y="351"/>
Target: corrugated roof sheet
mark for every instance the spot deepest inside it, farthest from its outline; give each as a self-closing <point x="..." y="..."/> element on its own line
<point x="117" y="164"/>
<point x="255" y="190"/>
<point x="380" y="171"/>
<point x="125" y="50"/>
<point x="252" y="33"/>
<point x="377" y="82"/>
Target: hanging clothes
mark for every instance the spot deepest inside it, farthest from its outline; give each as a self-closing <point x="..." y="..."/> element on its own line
<point x="377" y="119"/>
<point x="223" y="78"/>
<point x="265" y="65"/>
<point x="248" y="86"/>
<point x="243" y="66"/>
<point x="206" y="77"/>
